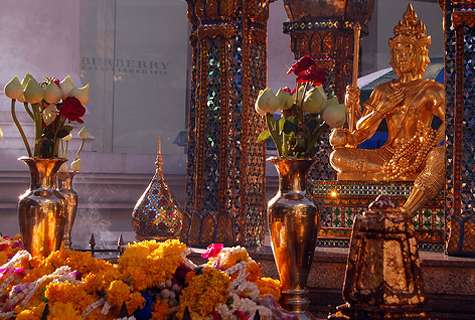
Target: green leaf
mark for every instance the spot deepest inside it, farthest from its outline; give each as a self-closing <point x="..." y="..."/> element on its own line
<point x="263" y="136"/>
<point x="281" y="124"/>
<point x="289" y="127"/>
<point x="64" y="131"/>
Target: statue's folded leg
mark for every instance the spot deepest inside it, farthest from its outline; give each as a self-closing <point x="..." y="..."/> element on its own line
<point x="429" y="182"/>
<point x="359" y="164"/>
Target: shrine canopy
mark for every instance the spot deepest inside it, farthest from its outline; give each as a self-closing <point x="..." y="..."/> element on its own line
<point x="367" y="83"/>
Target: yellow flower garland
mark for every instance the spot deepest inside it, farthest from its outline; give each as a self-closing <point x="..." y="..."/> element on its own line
<point x="204" y="292"/>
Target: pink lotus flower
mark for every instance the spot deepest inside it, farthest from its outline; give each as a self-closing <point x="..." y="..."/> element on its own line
<point x="213" y="250"/>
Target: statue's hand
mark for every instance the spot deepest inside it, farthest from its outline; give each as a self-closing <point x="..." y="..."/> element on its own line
<point x="389" y="104"/>
<point x="352" y="97"/>
<point x="339" y="137"/>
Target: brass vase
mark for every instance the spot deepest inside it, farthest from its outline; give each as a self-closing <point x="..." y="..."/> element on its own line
<point x="294" y="222"/>
<point x="65" y="186"/>
<point x="42" y="208"/>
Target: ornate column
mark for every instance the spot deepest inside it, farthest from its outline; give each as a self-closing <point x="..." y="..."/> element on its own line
<point x="226" y="167"/>
<point x="324" y="30"/>
<point x="459" y="23"/>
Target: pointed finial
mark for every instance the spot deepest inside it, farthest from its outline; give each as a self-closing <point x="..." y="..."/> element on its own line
<point x="159" y="158"/>
<point x="120" y="245"/>
<point x="92" y="243"/>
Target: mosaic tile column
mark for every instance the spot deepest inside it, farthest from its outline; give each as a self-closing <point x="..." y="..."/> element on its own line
<point x="459" y="25"/>
<point x="226" y="167"/>
<point x="324" y="30"/>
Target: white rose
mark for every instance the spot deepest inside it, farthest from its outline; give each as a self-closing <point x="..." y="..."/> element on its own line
<point x="52" y="93"/>
<point x="267" y="102"/>
<point x="49" y="114"/>
<point x="334" y="114"/>
<point x="25" y="80"/>
<point x="315" y="100"/>
<point x="13" y="89"/>
<point x="34" y="93"/>
<point x="68" y="138"/>
<point x="286" y="100"/>
<point x="76" y="165"/>
<point x="67" y="85"/>
<point x="82" y="94"/>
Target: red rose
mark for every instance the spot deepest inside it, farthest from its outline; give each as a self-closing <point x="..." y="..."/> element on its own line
<point x="72" y="109"/>
<point x="301" y="65"/>
<point x="313" y="74"/>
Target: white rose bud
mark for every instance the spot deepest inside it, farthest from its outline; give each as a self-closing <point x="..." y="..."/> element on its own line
<point x="286" y="100"/>
<point x="67" y="85"/>
<point x="68" y="138"/>
<point x="76" y="165"/>
<point x="83" y="133"/>
<point x="13" y="89"/>
<point x="315" y="100"/>
<point x="82" y="94"/>
<point x="25" y="80"/>
<point x="334" y="114"/>
<point x="49" y="114"/>
<point x="267" y="102"/>
<point x="1" y="134"/>
<point x="53" y="93"/>
<point x="34" y="93"/>
<point x="64" y="167"/>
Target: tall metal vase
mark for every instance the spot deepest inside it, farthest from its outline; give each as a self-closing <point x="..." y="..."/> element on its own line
<point x="42" y="208"/>
<point x="65" y="186"/>
<point x="294" y="222"/>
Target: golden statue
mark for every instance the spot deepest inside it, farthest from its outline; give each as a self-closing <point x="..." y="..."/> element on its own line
<point x="409" y="106"/>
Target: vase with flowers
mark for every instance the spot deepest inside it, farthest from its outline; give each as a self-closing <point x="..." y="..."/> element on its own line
<point x="295" y="120"/>
<point x="54" y="107"/>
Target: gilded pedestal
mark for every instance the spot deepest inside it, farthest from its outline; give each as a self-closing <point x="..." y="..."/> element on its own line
<point x="42" y="208"/>
<point x="294" y="223"/>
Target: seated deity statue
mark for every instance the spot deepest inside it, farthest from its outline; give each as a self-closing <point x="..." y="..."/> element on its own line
<point x="412" y="108"/>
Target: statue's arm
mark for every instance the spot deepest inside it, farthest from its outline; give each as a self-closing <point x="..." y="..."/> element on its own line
<point x="369" y="123"/>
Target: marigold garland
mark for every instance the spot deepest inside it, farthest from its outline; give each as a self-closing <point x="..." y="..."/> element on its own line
<point x="204" y="292"/>
<point x="88" y="288"/>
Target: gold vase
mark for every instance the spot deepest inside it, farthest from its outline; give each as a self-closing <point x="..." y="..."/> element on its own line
<point x="42" y="208"/>
<point x="294" y="222"/>
<point x="65" y="186"/>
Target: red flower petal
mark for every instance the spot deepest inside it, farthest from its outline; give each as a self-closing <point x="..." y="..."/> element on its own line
<point x="213" y="250"/>
<point x="72" y="109"/>
<point x="301" y="65"/>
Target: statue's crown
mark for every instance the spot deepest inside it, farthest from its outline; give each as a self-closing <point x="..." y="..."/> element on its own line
<point x="410" y="26"/>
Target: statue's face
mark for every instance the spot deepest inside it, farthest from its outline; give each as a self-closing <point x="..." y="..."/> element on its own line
<point x="404" y="58"/>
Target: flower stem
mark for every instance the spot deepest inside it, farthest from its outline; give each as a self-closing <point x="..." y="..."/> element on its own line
<point x="27" y="109"/>
<point x="20" y="129"/>
<point x="83" y="142"/>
